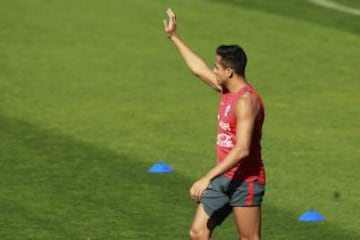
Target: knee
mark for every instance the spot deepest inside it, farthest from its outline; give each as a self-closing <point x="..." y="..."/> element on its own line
<point x="198" y="234"/>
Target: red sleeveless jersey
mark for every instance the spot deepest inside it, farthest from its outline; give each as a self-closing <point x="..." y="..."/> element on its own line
<point x="251" y="167"/>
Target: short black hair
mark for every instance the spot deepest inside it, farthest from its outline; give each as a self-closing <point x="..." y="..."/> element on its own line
<point x="233" y="56"/>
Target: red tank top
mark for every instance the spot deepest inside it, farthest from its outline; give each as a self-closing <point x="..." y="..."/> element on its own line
<point x="252" y="167"/>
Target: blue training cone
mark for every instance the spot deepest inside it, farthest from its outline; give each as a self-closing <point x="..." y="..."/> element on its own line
<point x="160" y="168"/>
<point x="311" y="216"/>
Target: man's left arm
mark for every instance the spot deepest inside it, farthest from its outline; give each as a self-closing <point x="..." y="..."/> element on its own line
<point x="246" y="112"/>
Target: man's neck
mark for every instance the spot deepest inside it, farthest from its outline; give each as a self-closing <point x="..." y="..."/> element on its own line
<point x="235" y="84"/>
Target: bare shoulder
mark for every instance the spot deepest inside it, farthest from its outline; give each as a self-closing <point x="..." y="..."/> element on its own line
<point x="247" y="105"/>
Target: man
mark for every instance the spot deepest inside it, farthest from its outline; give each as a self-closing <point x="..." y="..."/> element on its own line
<point x="236" y="183"/>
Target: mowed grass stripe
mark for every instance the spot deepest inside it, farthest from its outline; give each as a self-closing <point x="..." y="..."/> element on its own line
<point x="307" y="11"/>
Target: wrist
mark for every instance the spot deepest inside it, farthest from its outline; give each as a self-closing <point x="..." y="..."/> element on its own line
<point x="172" y="36"/>
<point x="209" y="176"/>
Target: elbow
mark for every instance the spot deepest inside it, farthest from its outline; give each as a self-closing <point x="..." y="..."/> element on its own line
<point x="243" y="153"/>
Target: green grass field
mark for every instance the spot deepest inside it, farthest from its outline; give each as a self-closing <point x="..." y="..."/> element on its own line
<point x="93" y="93"/>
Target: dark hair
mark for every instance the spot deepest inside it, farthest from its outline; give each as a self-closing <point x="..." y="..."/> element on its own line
<point x="233" y="56"/>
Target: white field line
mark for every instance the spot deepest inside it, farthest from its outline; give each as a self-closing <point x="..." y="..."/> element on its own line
<point x="336" y="6"/>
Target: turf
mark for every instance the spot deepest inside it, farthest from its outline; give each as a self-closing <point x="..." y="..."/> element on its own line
<point x="93" y="94"/>
<point x="304" y="10"/>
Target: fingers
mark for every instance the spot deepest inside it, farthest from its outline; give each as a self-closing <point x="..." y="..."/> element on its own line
<point x="196" y="193"/>
<point x="170" y="12"/>
<point x="171" y="15"/>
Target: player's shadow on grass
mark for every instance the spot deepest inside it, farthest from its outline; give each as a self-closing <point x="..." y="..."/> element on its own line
<point x="56" y="187"/>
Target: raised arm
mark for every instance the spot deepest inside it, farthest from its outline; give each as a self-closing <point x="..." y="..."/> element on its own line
<point x="196" y="65"/>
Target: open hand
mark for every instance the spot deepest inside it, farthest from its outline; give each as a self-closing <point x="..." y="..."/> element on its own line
<point x="170" y="24"/>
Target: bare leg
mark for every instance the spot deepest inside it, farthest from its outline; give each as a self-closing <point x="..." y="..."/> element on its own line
<point x="202" y="226"/>
<point x="248" y="222"/>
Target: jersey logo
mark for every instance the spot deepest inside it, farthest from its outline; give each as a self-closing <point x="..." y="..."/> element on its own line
<point x="224" y="140"/>
<point x="227" y="110"/>
<point x="224" y="126"/>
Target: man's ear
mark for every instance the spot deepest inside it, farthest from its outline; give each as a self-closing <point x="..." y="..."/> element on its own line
<point x="229" y="72"/>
